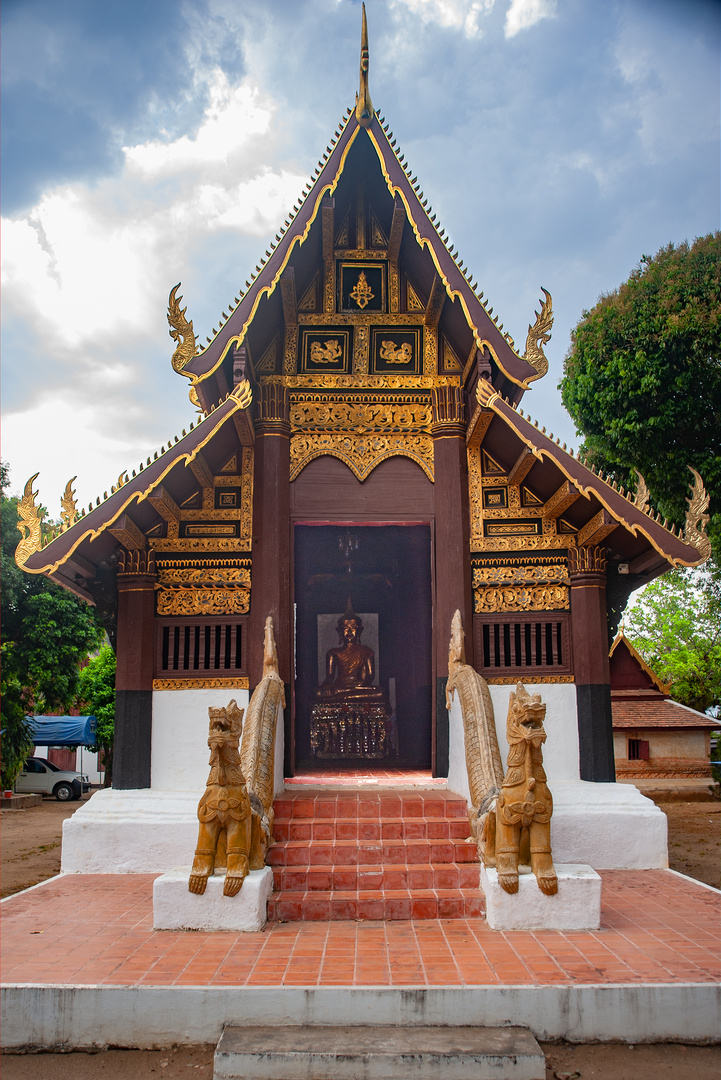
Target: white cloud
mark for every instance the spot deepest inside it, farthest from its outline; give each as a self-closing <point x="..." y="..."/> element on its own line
<point x="87" y="263"/>
<point x="524" y="13"/>
<point x="463" y="15"/>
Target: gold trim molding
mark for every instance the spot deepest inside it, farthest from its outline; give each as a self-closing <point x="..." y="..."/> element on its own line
<point x="241" y="682"/>
<point x="520" y="598"/>
<point x="360" y="381"/>
<point x="544" y="680"/>
<point x="177" y="600"/>
<point x="522" y="574"/>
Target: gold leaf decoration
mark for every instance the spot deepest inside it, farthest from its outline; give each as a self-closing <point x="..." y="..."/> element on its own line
<point x="68" y="505"/>
<point x="28" y="524"/>
<point x="181" y="331"/>
<point x="697" y="519"/>
<point x="641" y="497"/>
<point x="539" y="335"/>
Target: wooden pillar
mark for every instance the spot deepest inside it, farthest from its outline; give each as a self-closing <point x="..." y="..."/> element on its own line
<point x="134" y="672"/>
<point x="587" y="569"/>
<point x="452" y="550"/>
<point x="270" y="591"/>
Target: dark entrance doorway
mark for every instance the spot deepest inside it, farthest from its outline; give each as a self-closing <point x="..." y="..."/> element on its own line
<point x="385" y="570"/>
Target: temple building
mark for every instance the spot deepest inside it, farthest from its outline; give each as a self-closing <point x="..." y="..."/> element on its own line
<point x="361" y="468"/>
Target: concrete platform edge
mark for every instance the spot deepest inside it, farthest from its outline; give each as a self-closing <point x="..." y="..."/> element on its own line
<point x="83" y="1017"/>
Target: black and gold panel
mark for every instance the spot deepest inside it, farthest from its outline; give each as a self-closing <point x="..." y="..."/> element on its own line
<point x="495" y="498"/>
<point x="192" y="529"/>
<point x="395" y="351"/>
<point x="529" y="527"/>
<point x="326" y="350"/>
<point x="227" y="498"/>
<point x="362" y="287"/>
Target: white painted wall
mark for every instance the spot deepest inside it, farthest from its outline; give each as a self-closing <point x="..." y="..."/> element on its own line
<point x="179" y="755"/>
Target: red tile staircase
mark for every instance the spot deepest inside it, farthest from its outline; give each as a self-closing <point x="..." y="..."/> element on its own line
<point x="373" y="855"/>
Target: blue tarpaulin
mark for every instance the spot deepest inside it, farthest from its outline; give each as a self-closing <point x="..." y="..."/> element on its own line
<point x="63" y="730"/>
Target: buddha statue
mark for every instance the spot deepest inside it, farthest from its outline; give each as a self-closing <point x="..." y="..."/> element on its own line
<point x="350" y="668"/>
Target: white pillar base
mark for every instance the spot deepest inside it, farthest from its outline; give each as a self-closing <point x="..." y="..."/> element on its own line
<point x="576" y="906"/>
<point x="175" y="907"/>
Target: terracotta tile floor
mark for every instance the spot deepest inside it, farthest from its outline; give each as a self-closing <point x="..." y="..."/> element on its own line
<point x="97" y="929"/>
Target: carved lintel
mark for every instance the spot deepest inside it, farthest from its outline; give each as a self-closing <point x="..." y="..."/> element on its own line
<point x="596" y="530"/>
<point x="127" y="532"/>
<point x="287" y="292"/>
<point x="494" y="598"/>
<point x="436" y="301"/>
<point x="560" y="501"/>
<point x="521" y="467"/>
<point x="164" y="504"/>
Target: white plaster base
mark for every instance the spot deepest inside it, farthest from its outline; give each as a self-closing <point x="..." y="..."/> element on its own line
<point x="131" y="832"/>
<point x="175" y="907"/>
<point x="576" y="905"/>
<point x="610" y="826"/>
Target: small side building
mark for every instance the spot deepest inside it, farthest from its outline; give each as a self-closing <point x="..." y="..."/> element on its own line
<point x="654" y="737"/>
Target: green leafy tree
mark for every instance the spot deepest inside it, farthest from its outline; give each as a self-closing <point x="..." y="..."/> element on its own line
<point x="46" y="633"/>
<point x="676" y="626"/>
<point x="642" y="379"/>
<point x="97" y="697"/>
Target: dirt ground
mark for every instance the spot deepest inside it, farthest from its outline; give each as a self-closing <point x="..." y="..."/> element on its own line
<point x="30" y="852"/>
<point x="608" y="1061"/>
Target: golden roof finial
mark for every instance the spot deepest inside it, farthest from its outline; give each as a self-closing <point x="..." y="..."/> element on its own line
<point x="363" y="103"/>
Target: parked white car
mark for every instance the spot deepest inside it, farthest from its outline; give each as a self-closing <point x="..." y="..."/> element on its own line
<point x="41" y="777"/>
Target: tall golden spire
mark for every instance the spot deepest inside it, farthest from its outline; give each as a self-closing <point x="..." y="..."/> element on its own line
<point x="363" y="103"/>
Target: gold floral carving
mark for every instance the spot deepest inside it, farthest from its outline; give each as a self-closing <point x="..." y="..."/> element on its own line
<point x="519" y="543"/>
<point x="360" y="453"/>
<point x="207" y="575"/>
<point x="369" y="412"/>
<point x="357" y="318"/>
<point x="193" y="601"/>
<point x="214" y="544"/>
<point x="361" y="349"/>
<point x="392" y="354"/>
<point x="290" y="351"/>
<point x="361" y="292"/>
<point x="521" y="598"/>
<point x="240" y="682"/>
<point x="525" y="574"/>
<point x="327" y="353"/>
<point x="511" y="680"/>
<point x="361" y="382"/>
<point x="28" y="524"/>
<point x="430" y="351"/>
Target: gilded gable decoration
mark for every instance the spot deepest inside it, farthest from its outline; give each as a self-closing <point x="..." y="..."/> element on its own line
<point x="539" y="335"/>
<point x="362" y="286"/>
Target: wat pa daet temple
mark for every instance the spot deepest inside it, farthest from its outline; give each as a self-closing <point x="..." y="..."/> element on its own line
<point x="362" y="469"/>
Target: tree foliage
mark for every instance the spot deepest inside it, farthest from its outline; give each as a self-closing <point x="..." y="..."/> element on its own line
<point x="46" y="633"/>
<point x="676" y="626"/>
<point x="97" y="698"/>
<point x="642" y="379"/>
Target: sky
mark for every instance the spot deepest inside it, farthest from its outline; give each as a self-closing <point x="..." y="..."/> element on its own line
<point x="149" y="143"/>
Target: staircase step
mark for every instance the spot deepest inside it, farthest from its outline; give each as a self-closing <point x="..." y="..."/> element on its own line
<point x="371" y="904"/>
<point x="369" y="852"/>
<point x="319" y="878"/>
<point x="424" y="804"/>
<point x="378" y="1053"/>
<point x="370" y="828"/>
